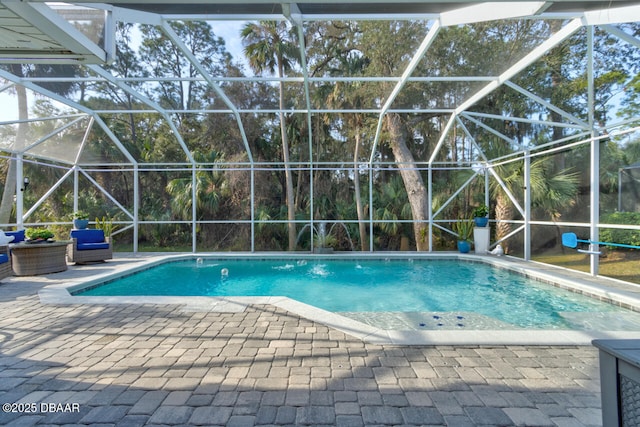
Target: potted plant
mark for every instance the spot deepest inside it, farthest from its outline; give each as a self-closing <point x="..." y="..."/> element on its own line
<point x="480" y="215"/>
<point x="464" y="229"/>
<point x="36" y="235"/>
<point x="106" y="225"/>
<point x="80" y="220"/>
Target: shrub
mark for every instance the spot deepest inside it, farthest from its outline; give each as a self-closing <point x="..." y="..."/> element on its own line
<point x="615" y="235"/>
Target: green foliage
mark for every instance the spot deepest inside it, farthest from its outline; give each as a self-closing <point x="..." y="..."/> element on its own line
<point x="481" y="211"/>
<point x="326" y="240"/>
<point x="615" y="235"/>
<point x="463" y="228"/>
<point x="80" y="215"/>
<point x="392" y="205"/>
<point x="38" y="233"/>
<point x="211" y="186"/>
<point x="106" y="225"/>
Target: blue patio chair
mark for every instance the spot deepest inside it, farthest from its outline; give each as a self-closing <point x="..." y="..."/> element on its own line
<point x="18" y="236"/>
<point x="5" y="262"/>
<point x="89" y="245"/>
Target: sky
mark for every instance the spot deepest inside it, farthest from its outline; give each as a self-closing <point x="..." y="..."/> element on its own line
<point x="230" y="32"/>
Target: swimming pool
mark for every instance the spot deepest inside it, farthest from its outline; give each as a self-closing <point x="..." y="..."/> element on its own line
<point x="393" y="294"/>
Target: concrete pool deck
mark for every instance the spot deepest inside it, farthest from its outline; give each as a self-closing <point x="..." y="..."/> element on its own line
<point x="191" y="364"/>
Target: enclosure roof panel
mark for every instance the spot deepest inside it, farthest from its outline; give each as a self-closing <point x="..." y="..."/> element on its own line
<point x="440" y="66"/>
<point x="32" y="32"/>
<point x="337" y="8"/>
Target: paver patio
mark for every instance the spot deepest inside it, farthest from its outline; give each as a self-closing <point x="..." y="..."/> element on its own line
<point x="131" y="365"/>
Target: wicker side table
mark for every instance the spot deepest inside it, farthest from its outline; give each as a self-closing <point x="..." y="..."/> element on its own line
<point x="30" y="259"/>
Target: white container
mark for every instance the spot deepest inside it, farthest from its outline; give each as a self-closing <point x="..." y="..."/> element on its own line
<point x="481" y="240"/>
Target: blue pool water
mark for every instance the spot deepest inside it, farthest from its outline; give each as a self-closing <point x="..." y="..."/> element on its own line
<point x="438" y="287"/>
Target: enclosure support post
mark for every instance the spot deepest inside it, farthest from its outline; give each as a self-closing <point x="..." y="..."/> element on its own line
<point x="253" y="208"/>
<point x="194" y="206"/>
<point x="76" y="188"/>
<point x="19" y="192"/>
<point x="595" y="204"/>
<point x="370" y="207"/>
<point x="620" y="190"/>
<point x="487" y="198"/>
<point x="487" y="190"/>
<point x="312" y="218"/>
<point x="527" y="205"/>
<point x="595" y="160"/>
<point x="136" y="205"/>
<point x="430" y="205"/>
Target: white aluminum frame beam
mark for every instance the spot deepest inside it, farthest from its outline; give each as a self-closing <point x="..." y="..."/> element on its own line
<point x="39" y="89"/>
<point x="51" y="134"/>
<point x="212" y="83"/>
<point x="475" y="12"/>
<point x="106" y="193"/>
<point x="474" y="143"/>
<point x="522" y="120"/>
<point x="578" y="122"/>
<point x="489" y="129"/>
<point x="45" y="195"/>
<point x="594" y="187"/>
<point x="57" y="28"/>
<point x="85" y="138"/>
<point x="527" y="60"/>
<point x="621" y="35"/>
<point x="458" y="191"/>
<point x="443" y="137"/>
<point x="176" y="133"/>
<point x="504" y="187"/>
<point x="417" y="57"/>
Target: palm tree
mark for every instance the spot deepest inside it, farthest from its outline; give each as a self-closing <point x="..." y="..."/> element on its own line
<point x="209" y="186"/>
<point x="269" y="46"/>
<point x="347" y="95"/>
<point x="550" y="192"/>
<point x="393" y="206"/>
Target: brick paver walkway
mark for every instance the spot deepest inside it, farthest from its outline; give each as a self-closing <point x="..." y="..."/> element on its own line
<point x="132" y="365"/>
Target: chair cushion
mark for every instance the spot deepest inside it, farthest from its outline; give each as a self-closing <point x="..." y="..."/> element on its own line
<point x="88" y="236"/>
<point x="4" y="258"/>
<point x="18" y="235"/>
<point x="91" y="246"/>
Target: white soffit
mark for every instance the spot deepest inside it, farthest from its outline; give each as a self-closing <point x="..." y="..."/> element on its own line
<point x="490" y="11"/>
<point x="32" y="32"/>
<point x="614" y="15"/>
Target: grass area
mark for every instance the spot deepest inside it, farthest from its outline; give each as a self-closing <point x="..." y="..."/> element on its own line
<point x="617" y="264"/>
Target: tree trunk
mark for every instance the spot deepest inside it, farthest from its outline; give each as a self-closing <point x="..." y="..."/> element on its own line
<point x="364" y="240"/>
<point x="504" y="212"/>
<point x="413" y="182"/>
<point x="291" y="211"/>
<point x="555" y="93"/>
<point x="6" y="205"/>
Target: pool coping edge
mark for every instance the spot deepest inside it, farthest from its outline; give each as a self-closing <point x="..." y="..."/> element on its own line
<point x="60" y="294"/>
